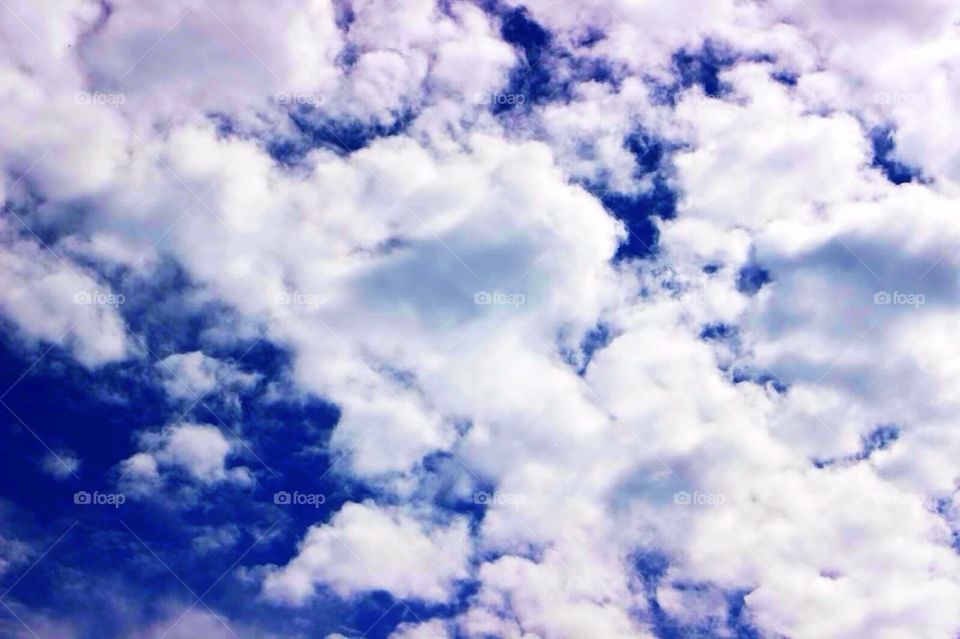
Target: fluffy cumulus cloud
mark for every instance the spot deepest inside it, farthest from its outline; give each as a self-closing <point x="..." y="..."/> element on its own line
<point x="200" y="451"/>
<point x="50" y="300"/>
<point x="366" y="547"/>
<point x="193" y="376"/>
<point x="637" y="318"/>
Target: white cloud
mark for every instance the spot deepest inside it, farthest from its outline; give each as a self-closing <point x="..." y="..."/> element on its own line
<point x="13" y="552"/>
<point x="192" y="376"/>
<point x="367" y="547"/>
<point x="54" y="301"/>
<point x="433" y="629"/>
<point x="198" y="622"/>
<point x="60" y="464"/>
<point x="199" y="450"/>
<point x="216" y="538"/>
<point x="366" y="266"/>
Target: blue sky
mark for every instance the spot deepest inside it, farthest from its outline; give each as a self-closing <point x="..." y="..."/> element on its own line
<point x="436" y="320"/>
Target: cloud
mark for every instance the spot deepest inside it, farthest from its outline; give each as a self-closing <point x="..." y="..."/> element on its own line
<point x="433" y="629"/>
<point x="198" y="450"/>
<point x="55" y="301"/>
<point x="60" y="464"/>
<point x="192" y="376"/>
<point x="434" y="267"/>
<point x="216" y="539"/>
<point x="13" y="552"/>
<point x="367" y="547"/>
<point x="196" y="623"/>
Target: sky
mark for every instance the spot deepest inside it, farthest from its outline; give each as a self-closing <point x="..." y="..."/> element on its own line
<point x="448" y="319"/>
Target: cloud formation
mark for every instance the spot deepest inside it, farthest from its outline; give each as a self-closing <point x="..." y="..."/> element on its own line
<point x="742" y="424"/>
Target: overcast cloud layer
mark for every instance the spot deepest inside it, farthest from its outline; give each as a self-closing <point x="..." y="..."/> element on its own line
<point x="435" y="320"/>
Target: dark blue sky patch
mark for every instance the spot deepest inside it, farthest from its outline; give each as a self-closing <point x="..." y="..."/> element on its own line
<point x="588" y="69"/>
<point x="592" y="36"/>
<point x="28" y="214"/>
<point x="79" y="579"/>
<point x="880" y="438"/>
<point x="786" y="78"/>
<point x="342" y="136"/>
<point x="637" y="210"/>
<point x="650" y="565"/>
<point x="348" y="56"/>
<point x="552" y="78"/>
<point x="531" y="78"/>
<point x="734" y="622"/>
<point x="719" y="332"/>
<point x="884" y="151"/>
<point x="649" y="152"/>
<point x="112" y="574"/>
<point x="378" y="614"/>
<point x="226" y="127"/>
<point x="517" y="27"/>
<point x="155" y="307"/>
<point x="548" y="72"/>
<point x="597" y="338"/>
<point x="752" y="278"/>
<point x="530" y="84"/>
<point x="95" y="417"/>
<point x="738" y="617"/>
<point x="700" y="67"/>
<point x="344" y="15"/>
<point x="744" y="375"/>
